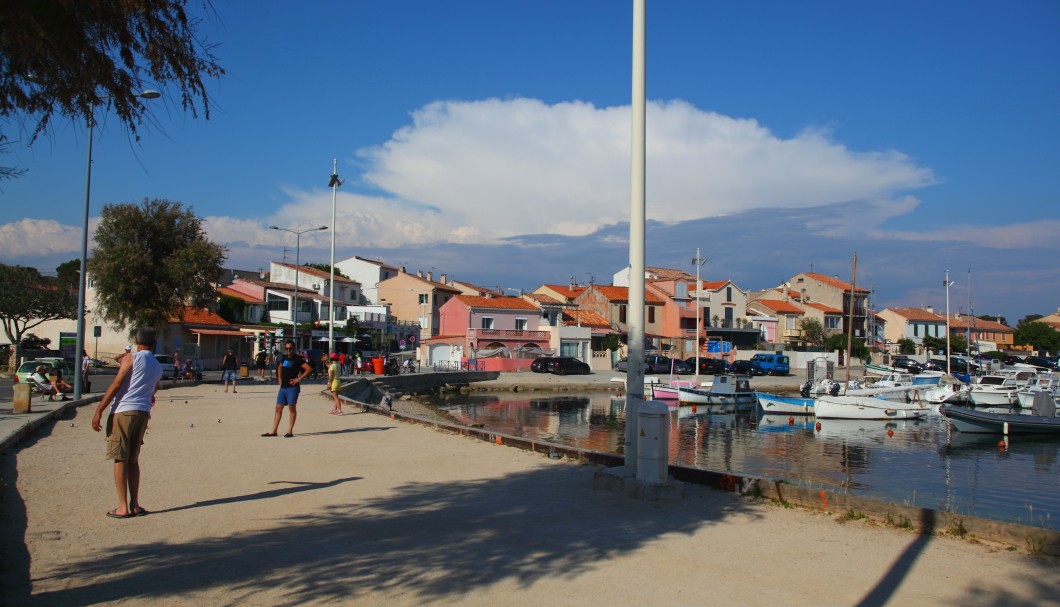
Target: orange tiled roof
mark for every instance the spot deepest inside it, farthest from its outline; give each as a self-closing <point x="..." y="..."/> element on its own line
<point x="835" y="282"/>
<point x="585" y="318"/>
<point x="713" y="285"/>
<point x="613" y="293"/>
<point x="233" y="293"/>
<point x="918" y="314"/>
<point x="543" y="299"/>
<point x="201" y="316"/>
<point x="475" y="287"/>
<point x="822" y="307"/>
<point x="964" y="321"/>
<point x="568" y="292"/>
<point x="779" y="306"/>
<point x="496" y="303"/>
<point x="669" y="274"/>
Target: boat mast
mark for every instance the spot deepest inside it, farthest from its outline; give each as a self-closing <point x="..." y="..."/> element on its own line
<point x="850" y="322"/>
<point x="698" y="261"/>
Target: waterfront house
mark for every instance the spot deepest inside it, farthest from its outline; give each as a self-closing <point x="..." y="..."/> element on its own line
<point x="987" y="335"/>
<point x="612" y="303"/>
<point x="788" y="318"/>
<point x="415" y="299"/>
<point x="914" y="324"/>
<point x="368" y="273"/>
<point x="501" y="333"/>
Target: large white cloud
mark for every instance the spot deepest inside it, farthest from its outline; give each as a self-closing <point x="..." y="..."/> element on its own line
<point x="519" y="166"/>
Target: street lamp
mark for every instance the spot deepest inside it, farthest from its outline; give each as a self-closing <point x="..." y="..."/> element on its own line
<point x="82" y="280"/>
<point x="334" y="185"/>
<point x="698" y="262"/>
<point x="297" y="265"/>
<point x="947" y="283"/>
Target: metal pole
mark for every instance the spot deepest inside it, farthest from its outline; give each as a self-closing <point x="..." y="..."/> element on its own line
<point x="83" y="277"/>
<point x="635" y="370"/>
<point x="297" y="265"/>
<point x="335" y="183"/>
<point x="946" y="283"/>
<point x="698" y="261"/>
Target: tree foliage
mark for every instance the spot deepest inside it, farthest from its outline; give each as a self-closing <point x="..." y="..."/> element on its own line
<point x="151" y="260"/>
<point x="813" y="332"/>
<point x="1038" y="335"/>
<point x="906" y="346"/>
<point x="27" y="300"/>
<point x="68" y="272"/>
<point x="67" y="57"/>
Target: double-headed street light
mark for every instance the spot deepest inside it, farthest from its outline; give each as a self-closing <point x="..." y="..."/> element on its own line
<point x="297" y="265"/>
<point x="83" y="278"/>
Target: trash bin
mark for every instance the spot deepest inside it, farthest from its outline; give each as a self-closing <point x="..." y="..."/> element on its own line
<point x="377" y="365"/>
<point x="244" y="370"/>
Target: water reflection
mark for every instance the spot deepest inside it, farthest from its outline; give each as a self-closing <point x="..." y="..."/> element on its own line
<point x="912" y="462"/>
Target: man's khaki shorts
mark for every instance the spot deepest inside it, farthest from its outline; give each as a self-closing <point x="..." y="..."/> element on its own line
<point x="125" y="435"/>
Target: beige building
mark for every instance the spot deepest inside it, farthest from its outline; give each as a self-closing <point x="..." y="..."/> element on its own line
<point x="415" y="298"/>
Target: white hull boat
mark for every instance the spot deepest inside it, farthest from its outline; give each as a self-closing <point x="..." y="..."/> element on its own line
<point x="1025" y="395"/>
<point x="867" y="407"/>
<point x="726" y="390"/>
<point x="772" y="404"/>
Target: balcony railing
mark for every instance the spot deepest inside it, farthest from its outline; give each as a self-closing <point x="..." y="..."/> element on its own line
<point x="507" y="334"/>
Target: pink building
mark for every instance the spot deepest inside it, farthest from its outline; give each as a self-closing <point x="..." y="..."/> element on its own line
<point x="501" y="333"/>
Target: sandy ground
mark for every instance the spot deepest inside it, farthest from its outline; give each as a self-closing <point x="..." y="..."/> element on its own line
<point x="364" y="510"/>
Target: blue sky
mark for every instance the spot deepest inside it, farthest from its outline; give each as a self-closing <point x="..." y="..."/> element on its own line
<point x="490" y="141"/>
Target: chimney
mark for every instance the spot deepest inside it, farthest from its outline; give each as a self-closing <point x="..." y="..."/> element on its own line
<point x="419" y="273"/>
<point x="442" y="279"/>
<point x="930" y="310"/>
<point x="403" y="270"/>
<point x="430" y="276"/>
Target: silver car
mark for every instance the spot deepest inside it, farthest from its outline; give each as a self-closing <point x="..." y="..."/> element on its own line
<point x="168" y="368"/>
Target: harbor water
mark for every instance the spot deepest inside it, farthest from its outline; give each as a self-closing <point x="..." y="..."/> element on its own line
<point x="915" y="463"/>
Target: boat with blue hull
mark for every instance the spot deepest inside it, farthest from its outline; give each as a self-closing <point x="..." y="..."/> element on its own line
<point x="773" y="404"/>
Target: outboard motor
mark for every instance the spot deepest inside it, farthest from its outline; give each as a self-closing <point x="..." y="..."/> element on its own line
<point x="805" y="390"/>
<point x="834" y="390"/>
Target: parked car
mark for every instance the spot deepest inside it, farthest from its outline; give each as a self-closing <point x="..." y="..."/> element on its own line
<point x="1041" y="362"/>
<point x="28" y="367"/>
<point x="654" y="363"/>
<point x="907" y="364"/>
<point x="747" y="367"/>
<point x="774" y="364"/>
<point x="961" y="365"/>
<point x="169" y="369"/>
<point x="934" y="364"/>
<point x="708" y="366"/>
<point x="541" y="364"/>
<point x="567" y="365"/>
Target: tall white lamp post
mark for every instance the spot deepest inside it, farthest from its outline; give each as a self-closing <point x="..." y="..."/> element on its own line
<point x="297" y="266"/>
<point x="82" y="279"/>
<point x="698" y="262"/>
<point x="334" y="185"/>
<point x="947" y="283"/>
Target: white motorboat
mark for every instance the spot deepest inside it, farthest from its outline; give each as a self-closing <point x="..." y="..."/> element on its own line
<point x="726" y="390"/>
<point x="946" y="393"/>
<point x="995" y="390"/>
<point x="1039" y="383"/>
<point x="867" y="407"/>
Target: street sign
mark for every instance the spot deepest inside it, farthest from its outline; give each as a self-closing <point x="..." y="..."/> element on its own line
<point x="97" y="331"/>
<point x="402" y="343"/>
<point x="412" y="338"/>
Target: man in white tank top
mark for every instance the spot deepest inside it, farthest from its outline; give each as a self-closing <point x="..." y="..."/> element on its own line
<point x="130" y="398"/>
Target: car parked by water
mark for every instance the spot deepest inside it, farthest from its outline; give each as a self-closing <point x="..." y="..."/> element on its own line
<point x="654" y="363"/>
<point x="568" y="365"/>
<point x="746" y="367"/>
<point x="708" y="366"/>
<point x="541" y="363"/>
<point x="907" y="364"/>
<point x="773" y="364"/>
<point x="1041" y="362"/>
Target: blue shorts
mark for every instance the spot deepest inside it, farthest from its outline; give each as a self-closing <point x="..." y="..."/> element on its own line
<point x="288" y="396"/>
<point x="228" y="376"/>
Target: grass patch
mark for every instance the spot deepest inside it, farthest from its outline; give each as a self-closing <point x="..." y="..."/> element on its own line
<point x="854" y="515"/>
<point x="958" y="529"/>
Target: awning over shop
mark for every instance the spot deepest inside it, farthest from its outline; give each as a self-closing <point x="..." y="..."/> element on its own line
<point x="232" y="333"/>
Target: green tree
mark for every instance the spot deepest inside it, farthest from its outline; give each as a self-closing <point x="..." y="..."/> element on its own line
<point x="230" y="308"/>
<point x="67" y="57"/>
<point x="1031" y="318"/>
<point x="906" y="346"/>
<point x="30" y="341"/>
<point x="813" y="332"/>
<point x="27" y="300"/>
<point x="151" y="260"/>
<point x="958" y="343"/>
<point x="934" y="344"/>
<point x="1038" y="335"/>
<point x="68" y="272"/>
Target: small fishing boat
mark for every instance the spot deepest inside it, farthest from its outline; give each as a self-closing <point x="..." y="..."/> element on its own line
<point x="867" y="407"/>
<point x="661" y="392"/>
<point x="1039" y="383"/>
<point x="726" y="390"/>
<point x="1041" y="419"/>
<point x="773" y="404"/>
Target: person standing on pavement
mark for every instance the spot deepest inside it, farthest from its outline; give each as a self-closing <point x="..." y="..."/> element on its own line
<point x="130" y="396"/>
<point x="334" y="383"/>
<point x="291" y="369"/>
<point x="229" y="365"/>
<point x="86" y="364"/>
<point x="261" y="361"/>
